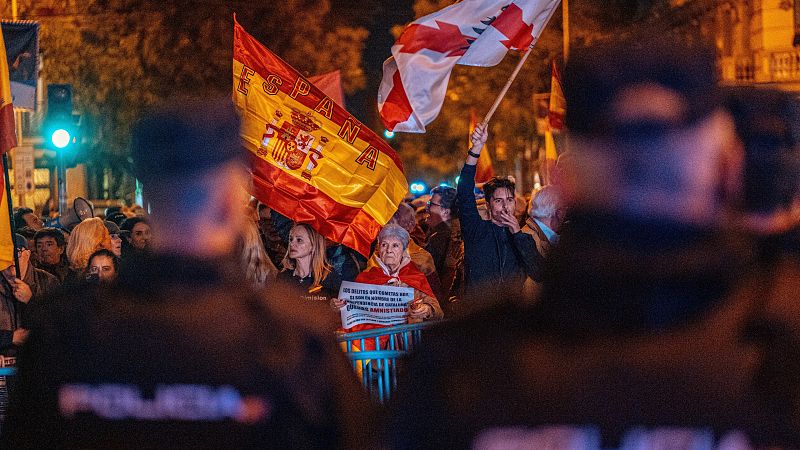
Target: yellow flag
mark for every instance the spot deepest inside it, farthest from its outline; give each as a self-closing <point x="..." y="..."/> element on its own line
<point x="550" y="157"/>
<point x="311" y="160"/>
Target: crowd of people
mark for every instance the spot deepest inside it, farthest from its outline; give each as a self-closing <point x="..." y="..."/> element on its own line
<point x="647" y="300"/>
<point x="86" y="252"/>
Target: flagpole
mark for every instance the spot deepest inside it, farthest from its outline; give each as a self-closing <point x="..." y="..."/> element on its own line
<point x="565" y="27"/>
<point x="10" y="213"/>
<point x="513" y="75"/>
<point x="508" y="84"/>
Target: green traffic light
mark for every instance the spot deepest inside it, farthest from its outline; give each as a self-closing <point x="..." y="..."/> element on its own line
<point x="60" y="138"/>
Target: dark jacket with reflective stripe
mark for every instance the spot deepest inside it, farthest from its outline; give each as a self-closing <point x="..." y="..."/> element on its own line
<point x="183" y="326"/>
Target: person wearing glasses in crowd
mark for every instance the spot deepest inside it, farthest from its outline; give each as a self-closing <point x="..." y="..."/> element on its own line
<point x="16" y="292"/>
<point x="446" y="245"/>
<point x="116" y="238"/>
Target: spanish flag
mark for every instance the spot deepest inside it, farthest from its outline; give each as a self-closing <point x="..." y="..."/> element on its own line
<point x="311" y="160"/>
<point x="556" y="113"/>
<point x="550" y="158"/>
<point x="8" y="140"/>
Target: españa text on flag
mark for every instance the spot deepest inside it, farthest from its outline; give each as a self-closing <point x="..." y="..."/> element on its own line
<point x="311" y="160"/>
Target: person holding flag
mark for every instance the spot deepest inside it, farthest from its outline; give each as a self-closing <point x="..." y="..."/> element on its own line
<point x="10" y="331"/>
<point x="498" y="256"/>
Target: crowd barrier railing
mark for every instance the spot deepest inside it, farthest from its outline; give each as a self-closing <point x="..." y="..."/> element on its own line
<point x="376" y="355"/>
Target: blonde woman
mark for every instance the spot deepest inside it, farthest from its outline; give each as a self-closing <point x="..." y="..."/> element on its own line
<point x="86" y="238"/>
<point x="305" y="265"/>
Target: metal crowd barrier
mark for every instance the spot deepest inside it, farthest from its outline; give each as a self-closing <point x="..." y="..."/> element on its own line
<point x="376" y="354"/>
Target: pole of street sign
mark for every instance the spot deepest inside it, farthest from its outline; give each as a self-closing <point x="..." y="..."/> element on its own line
<point x="62" y="186"/>
<point x="13" y="228"/>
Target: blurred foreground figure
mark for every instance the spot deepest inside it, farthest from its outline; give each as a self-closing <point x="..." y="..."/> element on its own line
<point x="768" y="126"/>
<point x="181" y="352"/>
<point x="649" y="331"/>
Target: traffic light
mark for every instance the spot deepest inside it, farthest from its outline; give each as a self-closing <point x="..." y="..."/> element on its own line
<point x="60" y="130"/>
<point x="60" y="137"/>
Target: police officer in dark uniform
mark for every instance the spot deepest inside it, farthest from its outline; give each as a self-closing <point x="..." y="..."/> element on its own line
<point x="180" y="352"/>
<point x="650" y="330"/>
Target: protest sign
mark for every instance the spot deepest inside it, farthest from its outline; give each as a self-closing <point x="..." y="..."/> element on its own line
<point x="375" y="304"/>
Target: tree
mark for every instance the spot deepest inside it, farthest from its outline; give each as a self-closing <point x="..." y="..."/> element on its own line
<point x="123" y="56"/>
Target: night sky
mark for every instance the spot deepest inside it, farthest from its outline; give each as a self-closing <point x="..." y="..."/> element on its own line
<point x="377" y="16"/>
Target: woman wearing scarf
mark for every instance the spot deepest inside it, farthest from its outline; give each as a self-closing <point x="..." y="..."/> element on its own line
<point x="391" y="265"/>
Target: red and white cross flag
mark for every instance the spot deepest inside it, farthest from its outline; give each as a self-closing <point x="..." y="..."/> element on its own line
<point x="470" y="32"/>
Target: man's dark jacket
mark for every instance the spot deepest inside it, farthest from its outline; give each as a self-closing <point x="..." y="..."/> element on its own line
<point x="640" y="324"/>
<point x="60" y="270"/>
<point x="496" y="261"/>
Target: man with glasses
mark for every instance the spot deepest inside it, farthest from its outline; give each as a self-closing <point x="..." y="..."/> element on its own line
<point x="445" y="244"/>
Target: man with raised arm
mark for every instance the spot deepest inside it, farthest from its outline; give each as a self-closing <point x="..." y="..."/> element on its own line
<point x="497" y="255"/>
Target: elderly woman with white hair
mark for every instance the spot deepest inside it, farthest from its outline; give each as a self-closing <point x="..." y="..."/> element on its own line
<point x="391" y="265"/>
